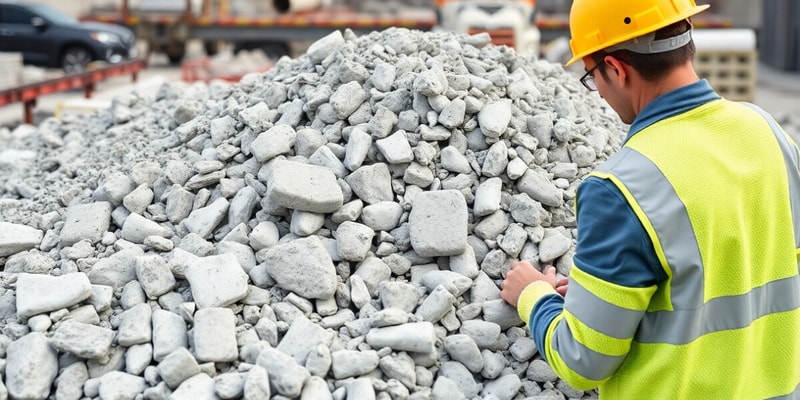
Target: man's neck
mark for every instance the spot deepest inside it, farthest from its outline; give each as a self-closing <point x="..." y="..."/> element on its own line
<point x="679" y="77"/>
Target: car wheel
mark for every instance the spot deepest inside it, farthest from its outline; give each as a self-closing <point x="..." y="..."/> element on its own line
<point x="75" y="59"/>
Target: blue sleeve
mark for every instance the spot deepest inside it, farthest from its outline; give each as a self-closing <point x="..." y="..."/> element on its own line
<point x="612" y="245"/>
<point x="542" y="315"/>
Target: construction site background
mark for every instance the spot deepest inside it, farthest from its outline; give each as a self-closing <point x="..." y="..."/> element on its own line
<point x="742" y="13"/>
<point x="774" y="89"/>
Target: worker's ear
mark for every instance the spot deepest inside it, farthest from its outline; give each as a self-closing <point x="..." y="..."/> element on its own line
<point x="617" y="70"/>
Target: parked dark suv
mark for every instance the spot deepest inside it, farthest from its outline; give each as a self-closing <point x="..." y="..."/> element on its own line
<point x="50" y="38"/>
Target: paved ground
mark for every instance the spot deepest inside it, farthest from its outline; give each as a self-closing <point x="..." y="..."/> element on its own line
<point x="777" y="91"/>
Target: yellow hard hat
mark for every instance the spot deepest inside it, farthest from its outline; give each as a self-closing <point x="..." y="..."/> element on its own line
<point x="599" y="24"/>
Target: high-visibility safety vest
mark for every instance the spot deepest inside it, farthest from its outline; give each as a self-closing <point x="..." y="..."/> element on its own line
<point x="717" y="189"/>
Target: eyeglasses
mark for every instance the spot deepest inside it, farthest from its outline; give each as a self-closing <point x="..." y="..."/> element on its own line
<point x="587" y="80"/>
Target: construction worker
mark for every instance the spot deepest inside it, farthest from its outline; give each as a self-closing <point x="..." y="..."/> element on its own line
<point x="685" y="278"/>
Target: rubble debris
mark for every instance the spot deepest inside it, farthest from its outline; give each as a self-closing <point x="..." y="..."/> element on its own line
<point x="334" y="228"/>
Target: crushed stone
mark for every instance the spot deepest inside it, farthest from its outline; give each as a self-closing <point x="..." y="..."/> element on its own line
<point x="334" y="228"/>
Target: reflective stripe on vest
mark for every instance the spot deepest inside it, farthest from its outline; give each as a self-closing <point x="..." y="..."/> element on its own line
<point x="666" y="215"/>
<point x="791" y="396"/>
<point x="581" y="359"/>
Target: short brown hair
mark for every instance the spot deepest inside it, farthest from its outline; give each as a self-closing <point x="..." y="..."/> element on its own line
<point x="654" y="66"/>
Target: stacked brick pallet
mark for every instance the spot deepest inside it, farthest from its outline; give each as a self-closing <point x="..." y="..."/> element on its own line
<point x="727" y="59"/>
<point x="11" y="65"/>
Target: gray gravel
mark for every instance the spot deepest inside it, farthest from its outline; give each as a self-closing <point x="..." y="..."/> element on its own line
<point x="333" y="229"/>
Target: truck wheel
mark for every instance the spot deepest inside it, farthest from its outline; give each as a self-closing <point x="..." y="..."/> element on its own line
<point x="74" y="59"/>
<point x="275" y="50"/>
<point x="175" y="55"/>
<point x="211" y="47"/>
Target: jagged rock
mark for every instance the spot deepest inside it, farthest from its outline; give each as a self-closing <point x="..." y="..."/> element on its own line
<point x="333" y="228"/>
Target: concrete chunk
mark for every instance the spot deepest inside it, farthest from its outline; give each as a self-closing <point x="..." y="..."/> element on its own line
<point x="353" y="240"/>
<point x="275" y="141"/>
<point x="396" y="148"/>
<point x="154" y="275"/>
<point x="15" y="238"/>
<point x="347" y="99"/>
<point x="357" y="149"/>
<point x="215" y="335"/>
<point x="438" y="223"/>
<point x="372" y="183"/>
<point x="38" y="294"/>
<point x="31" y="367"/>
<point x="69" y="385"/>
<point x="325" y="46"/>
<point x="216" y="281"/>
<point x="350" y="363"/>
<point x="454" y="161"/>
<point x="121" y="385"/>
<point x="304" y="187"/>
<point x="177" y="367"/>
<point x="285" y="375"/>
<point x="169" y="334"/>
<point x="418" y="337"/>
<point x="303" y="266"/>
<point x="539" y="188"/>
<point x="302" y="337"/>
<point x="82" y="340"/>
<point x="495" y="117"/>
<point x="203" y="221"/>
<point x="117" y="270"/>
<point x="135" y="326"/>
<point x="136" y="228"/>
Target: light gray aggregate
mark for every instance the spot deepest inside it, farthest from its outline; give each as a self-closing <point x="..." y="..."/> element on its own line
<point x="240" y="197"/>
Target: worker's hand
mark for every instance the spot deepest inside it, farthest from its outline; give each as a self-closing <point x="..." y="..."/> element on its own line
<point x="562" y="285"/>
<point x="522" y="274"/>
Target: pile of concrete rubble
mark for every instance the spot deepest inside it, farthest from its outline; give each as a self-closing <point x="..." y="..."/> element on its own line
<point x="336" y="228"/>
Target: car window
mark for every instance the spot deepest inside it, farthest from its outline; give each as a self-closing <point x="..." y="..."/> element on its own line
<point x="13" y="15"/>
<point x="53" y="15"/>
